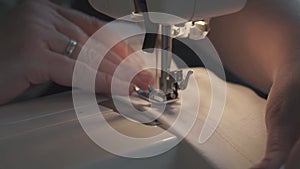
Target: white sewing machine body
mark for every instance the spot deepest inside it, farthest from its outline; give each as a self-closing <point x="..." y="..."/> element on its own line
<point x="191" y="10"/>
<point x="45" y="133"/>
<point x="168" y="19"/>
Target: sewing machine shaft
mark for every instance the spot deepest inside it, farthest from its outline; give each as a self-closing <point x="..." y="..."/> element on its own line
<point x="169" y="82"/>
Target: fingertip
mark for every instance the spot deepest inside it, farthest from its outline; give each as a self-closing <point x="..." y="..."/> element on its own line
<point x="259" y="166"/>
<point x="270" y="163"/>
<point x="143" y="82"/>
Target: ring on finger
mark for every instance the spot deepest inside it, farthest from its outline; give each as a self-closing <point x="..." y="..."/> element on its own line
<point x="71" y="47"/>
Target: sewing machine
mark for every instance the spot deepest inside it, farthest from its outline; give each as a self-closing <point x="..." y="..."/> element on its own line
<point x="186" y="19"/>
<point x="45" y="133"/>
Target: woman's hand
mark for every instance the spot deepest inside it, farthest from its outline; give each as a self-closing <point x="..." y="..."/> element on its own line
<point x="33" y="40"/>
<point x="283" y="122"/>
<point x="260" y="44"/>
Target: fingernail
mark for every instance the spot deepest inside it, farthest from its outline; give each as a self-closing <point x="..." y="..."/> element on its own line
<point x="148" y="80"/>
<point x="146" y="74"/>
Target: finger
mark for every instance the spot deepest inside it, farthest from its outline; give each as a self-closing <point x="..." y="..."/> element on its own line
<point x="61" y="71"/>
<point x="87" y="23"/>
<point x="119" y="54"/>
<point x="278" y="148"/>
<point x="104" y="81"/>
<point x="133" y="65"/>
<point x="90" y="25"/>
<point x="123" y="50"/>
<point x="142" y="79"/>
<point x="58" y="42"/>
<point x="294" y="157"/>
<point x="60" y="68"/>
<point x="70" y="29"/>
<point x="117" y="59"/>
<point x="282" y="120"/>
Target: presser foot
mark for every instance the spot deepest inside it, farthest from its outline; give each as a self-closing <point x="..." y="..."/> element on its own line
<point x="156" y="96"/>
<point x="174" y="82"/>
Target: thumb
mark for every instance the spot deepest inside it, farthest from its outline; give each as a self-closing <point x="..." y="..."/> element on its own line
<point x="278" y="147"/>
<point x="281" y="122"/>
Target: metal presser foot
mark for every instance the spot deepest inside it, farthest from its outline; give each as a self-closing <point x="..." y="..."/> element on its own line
<point x="170" y="85"/>
<point x="170" y="82"/>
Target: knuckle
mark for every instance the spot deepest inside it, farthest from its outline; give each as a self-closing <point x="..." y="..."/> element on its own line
<point x="36" y="70"/>
<point x="37" y="77"/>
<point x="80" y="35"/>
<point x="95" y="22"/>
<point x="275" y="146"/>
<point x="31" y="46"/>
